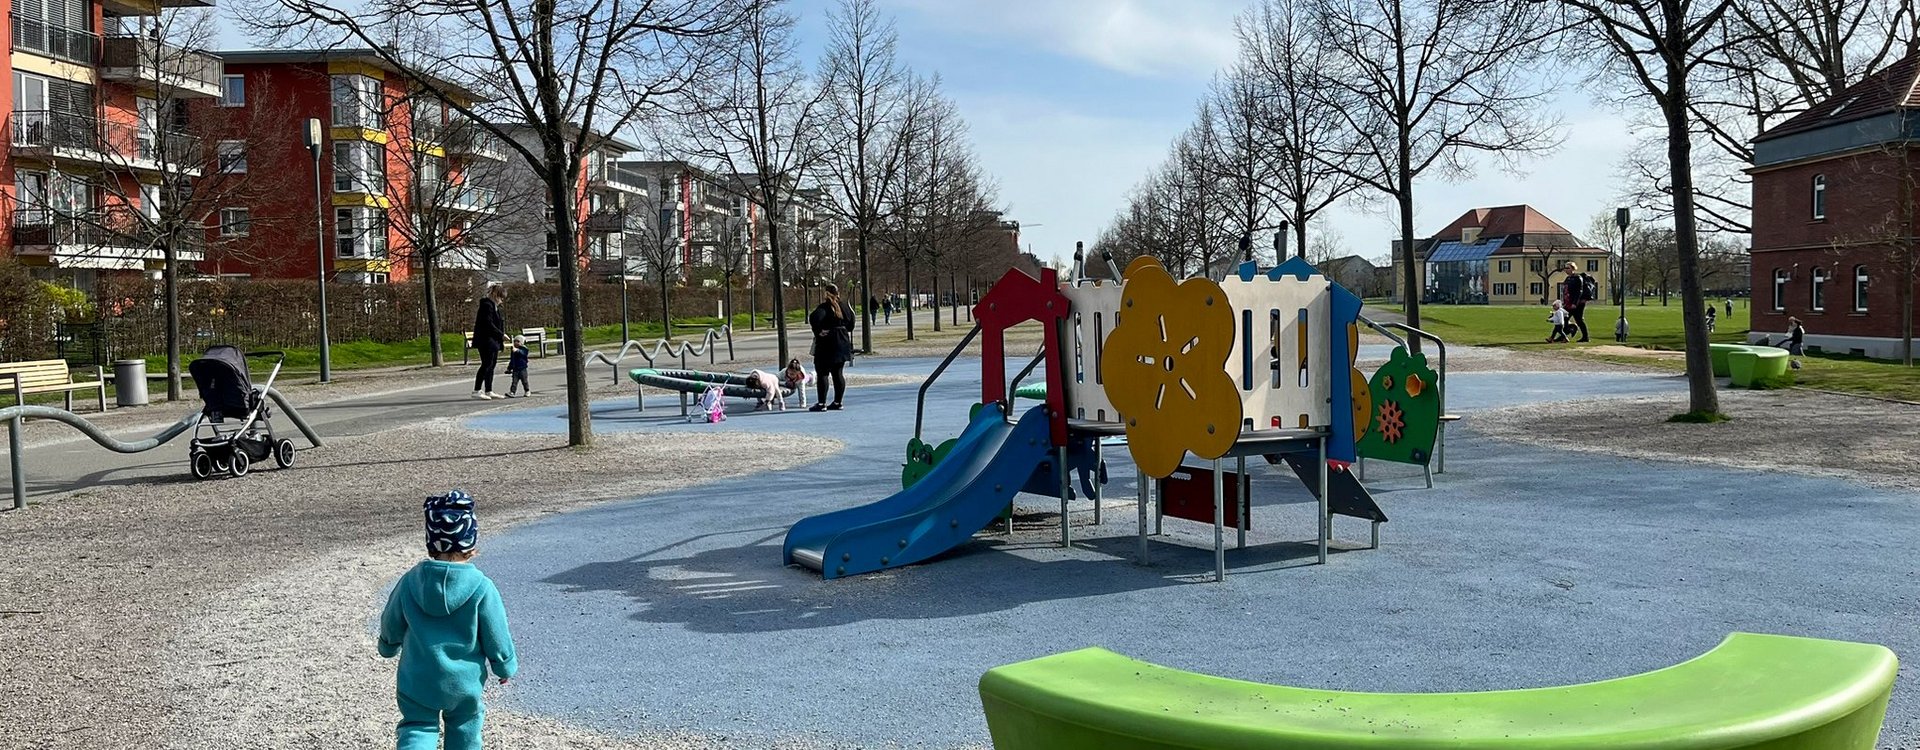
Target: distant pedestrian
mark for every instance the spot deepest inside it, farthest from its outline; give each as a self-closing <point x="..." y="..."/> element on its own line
<point x="517" y="368"/>
<point x="886" y="307"/>
<point x="1710" y="318"/>
<point x="1579" y="289"/>
<point x="1620" y="330"/>
<point x="873" y="308"/>
<point x="1559" y="320"/>
<point x="1729" y="307"/>
<point x="1796" y="341"/>
<point x="832" y="324"/>
<point x="445" y="621"/>
<point x="489" y="337"/>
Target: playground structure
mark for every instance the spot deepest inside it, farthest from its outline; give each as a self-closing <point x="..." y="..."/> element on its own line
<point x="1751" y="691"/>
<point x="690" y="382"/>
<point x="1748" y="365"/>
<point x="1260" y="365"/>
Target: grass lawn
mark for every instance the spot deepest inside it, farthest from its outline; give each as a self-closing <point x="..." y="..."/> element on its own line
<point x="1655" y="327"/>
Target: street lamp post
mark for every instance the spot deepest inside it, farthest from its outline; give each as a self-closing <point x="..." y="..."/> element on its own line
<point x="314" y="143"/>
<point x="1621" y="219"/>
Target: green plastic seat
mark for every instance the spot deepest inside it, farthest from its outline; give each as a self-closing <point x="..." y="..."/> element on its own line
<point x="1766" y="692"/>
<point x="1758" y="365"/>
<point x="1717" y="354"/>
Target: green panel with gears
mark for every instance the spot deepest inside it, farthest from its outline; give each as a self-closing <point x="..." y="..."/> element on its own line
<point x="1404" y="410"/>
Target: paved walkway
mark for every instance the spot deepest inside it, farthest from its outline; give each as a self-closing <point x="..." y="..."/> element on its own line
<point x="1523" y="567"/>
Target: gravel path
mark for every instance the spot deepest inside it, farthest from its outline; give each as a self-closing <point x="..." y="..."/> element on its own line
<point x="1806" y="432"/>
<point x="206" y="614"/>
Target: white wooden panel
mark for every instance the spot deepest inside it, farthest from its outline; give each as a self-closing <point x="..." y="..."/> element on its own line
<point x="1268" y="335"/>
<point x="1094" y="308"/>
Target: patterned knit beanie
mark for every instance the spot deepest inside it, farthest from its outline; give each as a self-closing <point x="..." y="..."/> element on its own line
<point x="451" y="526"/>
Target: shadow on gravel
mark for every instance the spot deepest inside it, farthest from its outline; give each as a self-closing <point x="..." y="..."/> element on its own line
<point x="742" y="588"/>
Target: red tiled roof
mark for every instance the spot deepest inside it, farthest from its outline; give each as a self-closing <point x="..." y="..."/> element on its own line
<point x="1890" y="89"/>
<point x="1502" y="220"/>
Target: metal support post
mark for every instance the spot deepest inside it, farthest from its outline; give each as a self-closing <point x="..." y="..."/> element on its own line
<point x="1097" y="486"/>
<point x="1142" y="489"/>
<point x="1240" y="486"/>
<point x="1066" y="494"/>
<point x="14" y="426"/>
<point x="1326" y="520"/>
<point x="1219" y="525"/>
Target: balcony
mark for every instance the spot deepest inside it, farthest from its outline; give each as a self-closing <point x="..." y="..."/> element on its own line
<point x="463" y="198"/>
<point x="172" y="72"/>
<point x="613" y="178"/>
<point x="474" y="141"/>
<point x="107" y="239"/>
<point x="148" y="7"/>
<point x="606" y="221"/>
<point x="55" y="41"/>
<point x="43" y="134"/>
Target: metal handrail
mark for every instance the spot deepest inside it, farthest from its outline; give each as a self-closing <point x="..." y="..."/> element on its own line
<point x="651" y="353"/>
<point x="1440" y="436"/>
<point x="16" y="417"/>
<point x="920" y="403"/>
<point x="1014" y="384"/>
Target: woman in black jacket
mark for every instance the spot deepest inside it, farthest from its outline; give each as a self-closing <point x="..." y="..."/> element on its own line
<point x="832" y="323"/>
<point x="489" y="337"/>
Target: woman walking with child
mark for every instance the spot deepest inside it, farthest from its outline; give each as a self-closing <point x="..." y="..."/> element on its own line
<point x="832" y="324"/>
<point x="489" y="337"/>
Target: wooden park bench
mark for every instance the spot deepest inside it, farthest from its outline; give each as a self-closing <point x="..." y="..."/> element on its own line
<point x="49" y="376"/>
<point x="537" y="339"/>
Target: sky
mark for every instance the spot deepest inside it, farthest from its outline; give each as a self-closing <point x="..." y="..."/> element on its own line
<point x="1072" y="102"/>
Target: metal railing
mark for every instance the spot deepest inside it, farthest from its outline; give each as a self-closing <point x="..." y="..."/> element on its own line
<point x="109" y="141"/>
<point x="37" y="227"/>
<point x="680" y="349"/>
<point x="55" y="41"/>
<point x="175" y="66"/>
<point x="470" y="198"/>
<point x="468" y="139"/>
<point x="16" y="417"/>
<point x="1440" y="437"/>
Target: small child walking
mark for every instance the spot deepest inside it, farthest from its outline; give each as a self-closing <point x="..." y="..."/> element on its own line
<point x="1559" y="320"/>
<point x="517" y="368"/>
<point x="445" y="621"/>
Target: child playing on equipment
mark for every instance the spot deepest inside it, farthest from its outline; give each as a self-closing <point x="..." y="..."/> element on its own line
<point x="517" y="367"/>
<point x="445" y="621"/>
<point x="770" y="385"/>
<point x="1559" y="319"/>
<point x="794" y="377"/>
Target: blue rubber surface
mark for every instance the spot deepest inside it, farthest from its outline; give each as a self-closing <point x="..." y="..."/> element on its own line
<point x="1524" y="567"/>
<point x="970" y="487"/>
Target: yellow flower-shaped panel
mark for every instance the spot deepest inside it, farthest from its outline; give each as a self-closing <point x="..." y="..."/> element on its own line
<point x="1165" y="366"/>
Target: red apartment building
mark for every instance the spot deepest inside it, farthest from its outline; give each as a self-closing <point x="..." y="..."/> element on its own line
<point x="95" y="120"/>
<point x="1833" y="215"/>
<point x="396" y="163"/>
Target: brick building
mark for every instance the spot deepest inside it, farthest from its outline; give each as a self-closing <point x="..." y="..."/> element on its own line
<point x="396" y="162"/>
<point x="1833" y="216"/>
<point x="1505" y="255"/>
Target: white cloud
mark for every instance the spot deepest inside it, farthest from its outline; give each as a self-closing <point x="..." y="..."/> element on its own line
<point x="1154" y="38"/>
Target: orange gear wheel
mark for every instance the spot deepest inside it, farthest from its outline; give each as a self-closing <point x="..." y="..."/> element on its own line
<point x="1392" y="421"/>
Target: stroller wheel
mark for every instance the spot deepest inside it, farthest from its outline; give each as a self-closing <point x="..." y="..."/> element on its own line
<point x="283" y="453"/>
<point x="202" y="465"/>
<point x="241" y="463"/>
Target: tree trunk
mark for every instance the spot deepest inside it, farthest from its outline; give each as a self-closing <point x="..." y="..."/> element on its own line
<point x="170" y="290"/>
<point x="433" y="311"/>
<point x="779" y="293"/>
<point x="1906" y="308"/>
<point x="1701" y="397"/>
<point x="866" y="288"/>
<point x="953" y="288"/>
<point x="907" y="269"/>
<point x="935" y="274"/>
<point x="560" y="193"/>
<point x="666" y="309"/>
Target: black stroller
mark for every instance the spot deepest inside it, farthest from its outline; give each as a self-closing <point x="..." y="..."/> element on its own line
<point x="236" y="425"/>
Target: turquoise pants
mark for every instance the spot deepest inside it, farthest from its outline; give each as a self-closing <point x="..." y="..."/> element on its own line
<point x="419" y="727"/>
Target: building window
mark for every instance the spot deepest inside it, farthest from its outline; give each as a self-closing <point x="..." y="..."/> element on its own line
<point x="376" y="278"/>
<point x="360" y="232"/>
<point x="1506" y="266"/>
<point x="235" y="222"/>
<point x="553" y="260"/>
<point x="1819" y="197"/>
<point x="233" y="91"/>
<point x="359" y="167"/>
<point x="233" y="157"/>
<point x="1859" y="288"/>
<point x="1819" y="289"/>
<point x="1593" y="265"/>
<point x="1780" y="278"/>
<point x="1536" y="265"/>
<point x="356" y="103"/>
<point x="1535" y="289"/>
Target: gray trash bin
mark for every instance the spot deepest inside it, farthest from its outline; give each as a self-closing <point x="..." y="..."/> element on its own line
<point x="130" y="382"/>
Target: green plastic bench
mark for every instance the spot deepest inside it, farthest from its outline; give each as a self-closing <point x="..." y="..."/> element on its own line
<point x="1752" y="691"/>
<point x="1750" y="368"/>
<point x="1717" y="354"/>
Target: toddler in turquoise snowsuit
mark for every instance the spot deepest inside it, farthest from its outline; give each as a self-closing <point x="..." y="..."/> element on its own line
<point x="445" y="621"/>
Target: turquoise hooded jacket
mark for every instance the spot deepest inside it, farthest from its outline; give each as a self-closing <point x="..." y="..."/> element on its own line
<point x="447" y="624"/>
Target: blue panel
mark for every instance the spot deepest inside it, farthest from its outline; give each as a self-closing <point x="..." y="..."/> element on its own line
<point x="1344" y="310"/>
<point x="1452" y="252"/>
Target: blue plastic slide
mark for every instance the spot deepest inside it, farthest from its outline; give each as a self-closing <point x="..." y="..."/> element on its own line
<point x="961" y="495"/>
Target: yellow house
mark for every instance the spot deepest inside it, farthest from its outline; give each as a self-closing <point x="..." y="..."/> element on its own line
<point x="1506" y="255"/>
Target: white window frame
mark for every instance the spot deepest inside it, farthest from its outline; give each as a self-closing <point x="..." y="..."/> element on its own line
<point x="230" y="85"/>
<point x="359" y="167"/>
<point x="1781" y="277"/>
<point x="358" y="104"/>
<point x="1860" y="282"/>
<point x="1506" y="266"/>
<point x="233" y="217"/>
<point x="359" y="232"/>
<point x="1819" y="197"/>
<point x="231" y="157"/>
<point x="1817" y="301"/>
<point x="552" y="260"/>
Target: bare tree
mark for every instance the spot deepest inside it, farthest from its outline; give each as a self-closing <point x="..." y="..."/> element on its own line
<point x="570" y="70"/>
<point x="1281" y="58"/>
<point x="1657" y="45"/>
<point x="1424" y="84"/>
<point x="758" y="114"/>
<point x="866" y="92"/>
